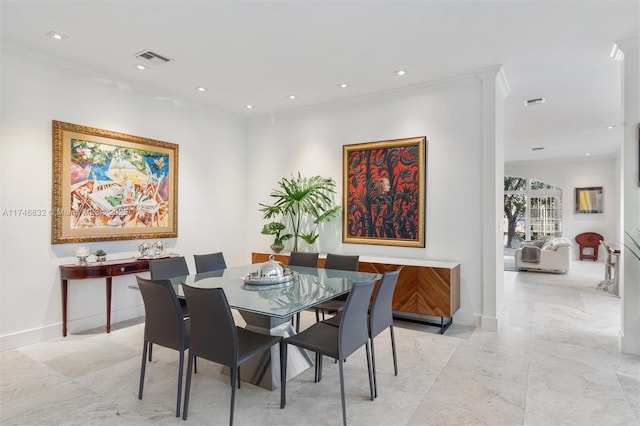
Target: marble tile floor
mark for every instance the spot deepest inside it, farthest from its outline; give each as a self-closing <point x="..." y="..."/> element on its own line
<point x="555" y="361"/>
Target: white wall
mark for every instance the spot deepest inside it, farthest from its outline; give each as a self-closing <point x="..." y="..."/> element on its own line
<point x="212" y="203"/>
<point x="448" y="113"/>
<point x="226" y="168"/>
<point x="571" y="174"/>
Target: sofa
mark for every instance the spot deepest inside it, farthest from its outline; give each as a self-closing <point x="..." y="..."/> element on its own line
<point x="544" y="256"/>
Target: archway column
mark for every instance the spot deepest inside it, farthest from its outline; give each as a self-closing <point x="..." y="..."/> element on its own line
<point x="494" y="90"/>
<point x="630" y="270"/>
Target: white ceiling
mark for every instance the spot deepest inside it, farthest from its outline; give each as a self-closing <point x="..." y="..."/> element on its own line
<point x="259" y="52"/>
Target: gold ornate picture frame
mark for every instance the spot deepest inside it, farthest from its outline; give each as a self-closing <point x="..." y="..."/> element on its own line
<point x="384" y="191"/>
<point x="112" y="186"/>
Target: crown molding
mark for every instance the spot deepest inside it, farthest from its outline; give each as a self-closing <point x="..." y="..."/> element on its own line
<point x="496" y="73"/>
<point x="629" y="45"/>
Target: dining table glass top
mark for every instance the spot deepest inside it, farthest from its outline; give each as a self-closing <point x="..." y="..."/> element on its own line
<point x="309" y="287"/>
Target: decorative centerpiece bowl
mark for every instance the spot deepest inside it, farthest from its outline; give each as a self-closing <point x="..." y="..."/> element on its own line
<point x="270" y="272"/>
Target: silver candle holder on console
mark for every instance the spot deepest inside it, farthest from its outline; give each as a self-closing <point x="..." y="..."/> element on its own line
<point x="82" y="253"/>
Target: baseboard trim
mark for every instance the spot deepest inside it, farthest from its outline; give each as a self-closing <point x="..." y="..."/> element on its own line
<point x="489" y="323"/>
<point x="54" y="331"/>
<point x="630" y="345"/>
<point x="29" y="337"/>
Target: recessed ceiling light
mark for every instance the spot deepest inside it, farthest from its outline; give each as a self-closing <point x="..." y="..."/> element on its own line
<point x="587" y="154"/>
<point x="201" y="89"/>
<point x="248" y="106"/>
<point x="611" y="127"/>
<point x="291" y="96"/>
<point x="535" y="101"/>
<point x="141" y="67"/>
<point x="56" y="35"/>
<point x="343" y="85"/>
<point x="400" y="72"/>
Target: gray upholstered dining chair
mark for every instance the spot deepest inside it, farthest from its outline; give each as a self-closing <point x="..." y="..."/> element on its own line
<point x="304" y="259"/>
<point x="345" y="263"/>
<point x="172" y="267"/>
<point x="215" y="336"/>
<point x="339" y="342"/>
<point x="164" y="325"/>
<point x="209" y="262"/>
<point x="380" y="318"/>
<point x="164" y="269"/>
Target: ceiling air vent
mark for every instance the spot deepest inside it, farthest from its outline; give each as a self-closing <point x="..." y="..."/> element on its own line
<point x="152" y="58"/>
<point x="534" y="101"/>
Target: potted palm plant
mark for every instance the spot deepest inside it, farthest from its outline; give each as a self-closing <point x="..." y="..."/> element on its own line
<point x="304" y="203"/>
<point x="275" y="228"/>
<point x="630" y="247"/>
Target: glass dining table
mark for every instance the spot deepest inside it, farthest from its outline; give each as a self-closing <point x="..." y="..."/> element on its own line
<point x="268" y="308"/>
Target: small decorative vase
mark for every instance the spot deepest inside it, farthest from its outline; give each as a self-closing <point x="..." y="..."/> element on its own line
<point x="101" y="258"/>
<point x="144" y="249"/>
<point x="306" y="247"/>
<point x="277" y="248"/>
<point x="158" y="248"/>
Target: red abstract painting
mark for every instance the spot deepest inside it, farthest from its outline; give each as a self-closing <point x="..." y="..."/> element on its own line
<point x="384" y="186"/>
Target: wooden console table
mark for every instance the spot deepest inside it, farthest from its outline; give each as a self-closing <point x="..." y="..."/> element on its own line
<point x="424" y="287"/>
<point x="106" y="270"/>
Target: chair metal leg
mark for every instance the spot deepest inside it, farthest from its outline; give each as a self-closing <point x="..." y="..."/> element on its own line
<point x="319" y="367"/>
<point x="344" y="408"/>
<point x="150" y="350"/>
<point x="373" y="367"/>
<point x="283" y="373"/>
<point x="315" y="373"/>
<point x="142" y="369"/>
<point x="298" y="322"/>
<point x="393" y="348"/>
<point x="180" y="368"/>
<point x="233" y="372"/>
<point x="371" y="382"/>
<point x="239" y="380"/>
<point x="187" y="388"/>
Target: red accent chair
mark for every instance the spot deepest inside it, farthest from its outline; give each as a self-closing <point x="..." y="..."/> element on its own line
<point x="589" y="240"/>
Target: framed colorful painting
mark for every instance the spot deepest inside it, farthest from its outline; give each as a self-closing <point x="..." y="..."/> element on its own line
<point x="384" y="187"/>
<point x="112" y="186"/>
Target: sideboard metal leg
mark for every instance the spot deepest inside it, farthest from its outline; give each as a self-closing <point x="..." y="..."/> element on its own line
<point x="445" y="325"/>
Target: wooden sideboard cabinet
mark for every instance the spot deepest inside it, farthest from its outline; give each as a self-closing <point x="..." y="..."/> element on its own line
<point x="424" y="288"/>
